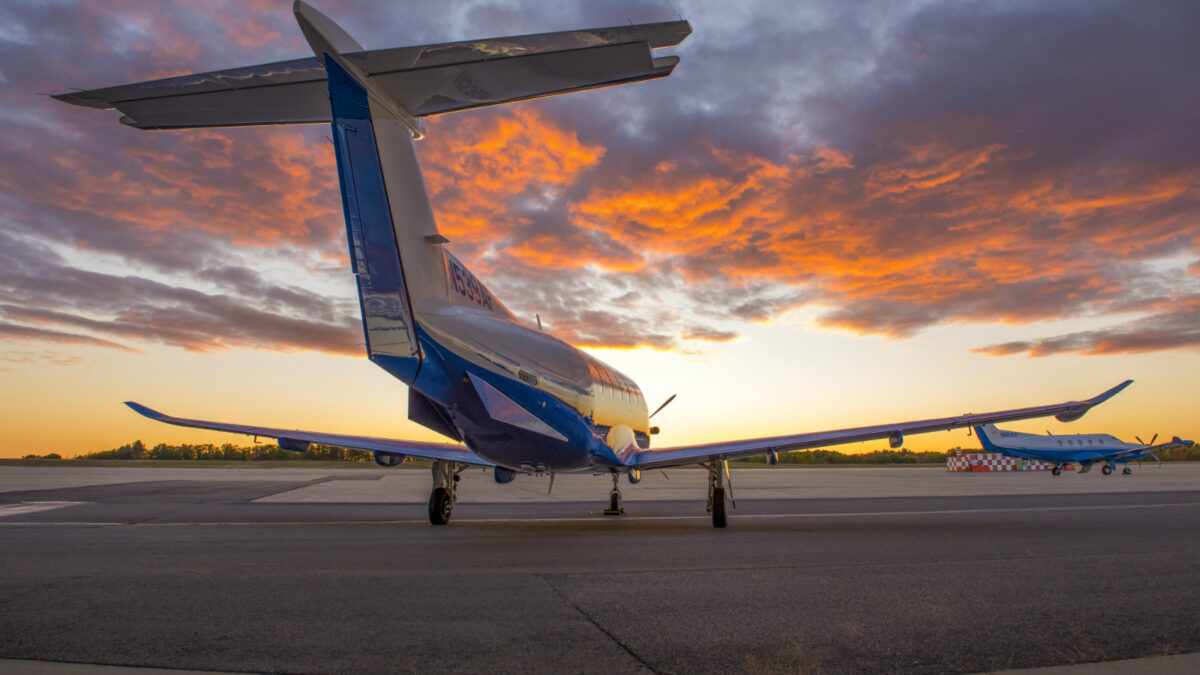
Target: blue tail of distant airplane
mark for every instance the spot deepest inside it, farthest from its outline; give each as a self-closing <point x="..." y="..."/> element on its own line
<point x="985" y="440"/>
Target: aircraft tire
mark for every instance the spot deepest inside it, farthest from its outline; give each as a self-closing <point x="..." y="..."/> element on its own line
<point x="1106" y="470"/>
<point x="1056" y="471"/>
<point x="718" y="508"/>
<point x="1126" y="471"/>
<point x="440" y="506"/>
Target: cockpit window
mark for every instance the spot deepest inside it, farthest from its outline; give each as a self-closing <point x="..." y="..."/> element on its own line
<point x="615" y="383"/>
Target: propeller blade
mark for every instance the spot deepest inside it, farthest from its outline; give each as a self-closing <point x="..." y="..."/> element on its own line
<point x="1139" y="440"/>
<point x="1156" y="459"/>
<point x="1153" y="439"/>
<point x="663" y="405"/>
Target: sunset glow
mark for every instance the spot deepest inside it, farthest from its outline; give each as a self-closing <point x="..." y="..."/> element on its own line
<point x="822" y="219"/>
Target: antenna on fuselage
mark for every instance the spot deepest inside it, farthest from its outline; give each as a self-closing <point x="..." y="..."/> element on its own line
<point x="539" y="320"/>
<point x="663" y="405"/>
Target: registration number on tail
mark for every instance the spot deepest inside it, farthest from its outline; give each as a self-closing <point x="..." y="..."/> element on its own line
<point x="466" y="285"/>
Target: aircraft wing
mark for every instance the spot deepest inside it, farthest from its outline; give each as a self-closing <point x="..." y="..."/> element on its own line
<point x="693" y="454"/>
<point x="294" y="439"/>
<point x="1138" y="453"/>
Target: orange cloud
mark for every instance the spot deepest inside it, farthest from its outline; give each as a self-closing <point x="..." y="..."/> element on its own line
<point x="915" y="234"/>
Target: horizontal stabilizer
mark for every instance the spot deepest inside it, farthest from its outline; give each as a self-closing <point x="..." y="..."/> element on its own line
<point x="425" y="80"/>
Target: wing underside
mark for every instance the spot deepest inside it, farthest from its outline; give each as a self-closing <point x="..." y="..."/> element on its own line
<point x="294" y="439"/>
<point x="425" y="80"/>
<point x="652" y="459"/>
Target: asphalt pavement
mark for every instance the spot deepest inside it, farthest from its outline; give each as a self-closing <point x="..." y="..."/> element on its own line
<point x="258" y="571"/>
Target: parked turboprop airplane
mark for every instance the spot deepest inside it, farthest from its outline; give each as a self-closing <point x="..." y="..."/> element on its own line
<point x="518" y="399"/>
<point x="1082" y="449"/>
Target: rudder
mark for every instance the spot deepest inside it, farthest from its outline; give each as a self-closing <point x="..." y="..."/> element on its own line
<point x="388" y="324"/>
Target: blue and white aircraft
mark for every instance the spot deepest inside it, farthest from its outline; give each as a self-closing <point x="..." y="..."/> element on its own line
<point x="514" y="398"/>
<point x="1062" y="449"/>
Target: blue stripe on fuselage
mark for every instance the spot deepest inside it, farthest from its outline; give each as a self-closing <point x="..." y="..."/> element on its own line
<point x="443" y="378"/>
<point x="1053" y="456"/>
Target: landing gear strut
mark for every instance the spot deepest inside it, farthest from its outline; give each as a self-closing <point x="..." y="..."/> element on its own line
<point x="1126" y="471"/>
<point x="445" y="493"/>
<point x="614" y="498"/>
<point x="718" y="474"/>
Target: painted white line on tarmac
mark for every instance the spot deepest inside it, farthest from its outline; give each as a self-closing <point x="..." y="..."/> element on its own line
<point x="599" y="518"/>
<point x="1179" y="664"/>
<point x="31" y="667"/>
<point x="31" y="507"/>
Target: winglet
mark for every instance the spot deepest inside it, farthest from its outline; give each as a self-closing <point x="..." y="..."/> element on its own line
<point x="1084" y="406"/>
<point x="1110" y="393"/>
<point x="146" y="412"/>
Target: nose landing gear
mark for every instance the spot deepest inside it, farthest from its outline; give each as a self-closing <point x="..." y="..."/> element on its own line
<point x="614" y="498"/>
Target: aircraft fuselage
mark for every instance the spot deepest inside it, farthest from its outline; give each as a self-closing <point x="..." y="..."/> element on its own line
<point x="523" y="398"/>
<point x="1058" y="449"/>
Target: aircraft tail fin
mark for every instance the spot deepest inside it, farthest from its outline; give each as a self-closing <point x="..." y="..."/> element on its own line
<point x="376" y="101"/>
<point x="423" y="80"/>
<point x="985" y="433"/>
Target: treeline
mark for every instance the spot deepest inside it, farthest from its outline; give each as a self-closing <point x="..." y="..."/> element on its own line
<point x="230" y="452"/>
<point x="227" y="452"/>
<point x="1188" y="453"/>
<point x="901" y="456"/>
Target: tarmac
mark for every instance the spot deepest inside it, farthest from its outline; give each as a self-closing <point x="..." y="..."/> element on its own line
<point x="839" y="570"/>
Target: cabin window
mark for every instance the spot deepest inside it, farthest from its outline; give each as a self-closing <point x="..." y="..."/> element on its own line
<point x="1060" y="443"/>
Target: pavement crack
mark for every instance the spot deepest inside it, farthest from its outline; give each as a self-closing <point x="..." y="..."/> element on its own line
<point x="592" y="620"/>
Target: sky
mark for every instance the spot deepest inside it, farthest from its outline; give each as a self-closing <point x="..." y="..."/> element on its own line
<point x="832" y="214"/>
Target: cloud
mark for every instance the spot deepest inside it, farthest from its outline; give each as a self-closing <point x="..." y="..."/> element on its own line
<point x="893" y="166"/>
<point x="53" y="301"/>
<point x="1175" y="326"/>
<point x="12" y="331"/>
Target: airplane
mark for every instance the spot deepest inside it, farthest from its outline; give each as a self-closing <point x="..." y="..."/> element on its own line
<point x="1062" y="449"/>
<point x="514" y="398"/>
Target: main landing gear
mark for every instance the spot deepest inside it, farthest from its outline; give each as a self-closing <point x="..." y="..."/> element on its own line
<point x="445" y="493"/>
<point x="1126" y="471"/>
<point x="718" y="479"/>
<point x="1057" y="470"/>
<point x="1106" y="469"/>
<point x="614" y="498"/>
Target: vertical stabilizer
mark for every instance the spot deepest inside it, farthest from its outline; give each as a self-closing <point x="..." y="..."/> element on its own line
<point x="374" y="254"/>
<point x="323" y="35"/>
<point x="986" y="434"/>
